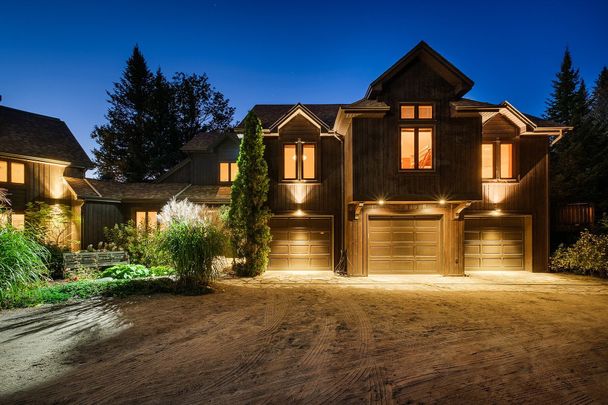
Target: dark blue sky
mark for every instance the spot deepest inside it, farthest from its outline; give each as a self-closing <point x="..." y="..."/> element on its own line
<point x="58" y="58"/>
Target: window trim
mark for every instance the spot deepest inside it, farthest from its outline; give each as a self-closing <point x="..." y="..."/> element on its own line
<point x="146" y="212"/>
<point x="219" y="172"/>
<point x="299" y="178"/>
<point x="496" y="152"/>
<point x="416" y="128"/>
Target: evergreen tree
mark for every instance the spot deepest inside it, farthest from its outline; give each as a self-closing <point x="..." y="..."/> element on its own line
<point x="598" y="117"/>
<point x="599" y="103"/>
<point x="163" y="133"/>
<point x="563" y="102"/>
<point x="123" y="146"/>
<point x="248" y="216"/>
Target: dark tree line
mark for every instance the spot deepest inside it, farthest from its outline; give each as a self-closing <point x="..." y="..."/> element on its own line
<point x="579" y="162"/>
<point x="151" y="117"/>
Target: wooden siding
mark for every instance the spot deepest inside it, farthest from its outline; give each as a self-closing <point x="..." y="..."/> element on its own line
<point x="376" y="145"/>
<point x="181" y="175"/>
<point x="527" y="196"/>
<point x="499" y="126"/>
<point x="95" y="217"/>
<point x="204" y="167"/>
<point x="574" y="217"/>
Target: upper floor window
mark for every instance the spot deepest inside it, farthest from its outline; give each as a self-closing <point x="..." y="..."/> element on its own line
<point x="12" y="172"/>
<point x="299" y="161"/>
<point x="417" y="111"/>
<point x="416" y="148"/>
<point x="228" y="172"/>
<point x="497" y="160"/>
<point x="146" y="220"/>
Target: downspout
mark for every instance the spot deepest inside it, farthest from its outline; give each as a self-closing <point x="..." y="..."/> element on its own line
<point x="342" y="199"/>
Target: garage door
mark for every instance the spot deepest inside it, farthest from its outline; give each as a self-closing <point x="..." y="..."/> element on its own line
<point x="399" y="245"/>
<point x="494" y="244"/>
<point x="301" y="244"/>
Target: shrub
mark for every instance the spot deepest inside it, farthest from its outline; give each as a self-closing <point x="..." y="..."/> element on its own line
<point x="194" y="248"/>
<point x="126" y="271"/>
<point x="162" y="271"/>
<point x="141" y="245"/>
<point x="588" y="255"/>
<point x="22" y="259"/>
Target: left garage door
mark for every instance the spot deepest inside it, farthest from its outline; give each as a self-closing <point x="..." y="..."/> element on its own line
<point x="302" y="243"/>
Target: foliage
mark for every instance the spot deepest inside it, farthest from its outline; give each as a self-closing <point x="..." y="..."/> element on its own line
<point x="4" y="201"/>
<point x="61" y="292"/>
<point x="150" y="118"/>
<point x="22" y="259"/>
<point x="141" y="245"/>
<point x="579" y="170"/>
<point x="588" y="255"/>
<point x="126" y="271"/>
<point x="194" y="249"/>
<point x="162" y="271"/>
<point x="249" y="214"/>
<point x="182" y="211"/>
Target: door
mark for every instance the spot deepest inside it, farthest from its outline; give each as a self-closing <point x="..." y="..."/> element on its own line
<point x="494" y="243"/>
<point x="301" y="243"/>
<point x="403" y="245"/>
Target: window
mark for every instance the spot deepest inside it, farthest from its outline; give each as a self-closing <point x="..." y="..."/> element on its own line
<point x="416" y="149"/>
<point x="416" y="111"/>
<point x="497" y="160"/>
<point x="299" y="161"/>
<point x="147" y="220"/>
<point x="228" y="171"/>
<point x="12" y="172"/>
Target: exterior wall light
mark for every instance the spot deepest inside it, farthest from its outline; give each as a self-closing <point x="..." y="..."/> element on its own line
<point x="497" y="212"/>
<point x="299" y="213"/>
<point x="442" y="201"/>
<point x="380" y="202"/>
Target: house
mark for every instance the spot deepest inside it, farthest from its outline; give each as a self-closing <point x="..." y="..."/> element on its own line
<point x="412" y="178"/>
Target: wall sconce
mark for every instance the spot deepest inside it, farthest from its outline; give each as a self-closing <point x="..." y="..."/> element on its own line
<point x="299" y="213"/>
<point x="442" y="201"/>
<point x="381" y="202"/>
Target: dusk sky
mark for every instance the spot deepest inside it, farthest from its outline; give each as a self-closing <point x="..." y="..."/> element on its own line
<point x="58" y="58"/>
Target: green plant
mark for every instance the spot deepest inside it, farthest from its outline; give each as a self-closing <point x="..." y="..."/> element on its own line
<point x="162" y="271"/>
<point x="22" y="259"/>
<point x="249" y="215"/>
<point x="194" y="248"/>
<point x="588" y="255"/>
<point x="126" y="271"/>
<point x="141" y="245"/>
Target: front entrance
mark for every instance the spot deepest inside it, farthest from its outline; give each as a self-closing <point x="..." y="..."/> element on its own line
<point x="403" y="245"/>
<point x="301" y="243"/>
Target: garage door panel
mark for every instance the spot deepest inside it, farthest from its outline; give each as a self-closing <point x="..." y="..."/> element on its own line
<point x="494" y="244"/>
<point x="301" y="244"/>
<point x="403" y="245"/>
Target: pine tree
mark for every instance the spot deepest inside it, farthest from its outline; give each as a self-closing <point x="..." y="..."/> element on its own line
<point x="248" y="216"/>
<point x="123" y="146"/>
<point x="599" y="123"/>
<point x="165" y="142"/>
<point x="599" y="103"/>
<point x="562" y="104"/>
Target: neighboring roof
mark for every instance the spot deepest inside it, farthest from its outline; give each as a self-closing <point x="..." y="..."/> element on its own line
<point x="112" y="190"/>
<point x="38" y="136"/>
<point x="207" y="194"/>
<point x="269" y="114"/>
<point x="206" y="141"/>
<point x="467" y="102"/>
<point x="461" y="82"/>
<point x="541" y="122"/>
<point x="367" y="104"/>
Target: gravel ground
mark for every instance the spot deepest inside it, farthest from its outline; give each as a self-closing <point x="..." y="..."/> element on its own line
<point x="316" y="338"/>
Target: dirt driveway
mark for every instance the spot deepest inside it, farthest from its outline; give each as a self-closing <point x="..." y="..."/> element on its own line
<point x="319" y="339"/>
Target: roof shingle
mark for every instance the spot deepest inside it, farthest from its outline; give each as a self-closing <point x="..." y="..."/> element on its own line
<point x="271" y="113"/>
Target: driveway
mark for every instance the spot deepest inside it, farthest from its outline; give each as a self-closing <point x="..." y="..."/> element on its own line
<point x="316" y="338"/>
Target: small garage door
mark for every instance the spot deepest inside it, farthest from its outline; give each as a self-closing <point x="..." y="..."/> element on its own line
<point x="494" y="244"/>
<point x="403" y="245"/>
<point x="301" y="244"/>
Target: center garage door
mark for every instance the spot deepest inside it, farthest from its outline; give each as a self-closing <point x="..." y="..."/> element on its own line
<point x="403" y="245"/>
<point x="302" y="243"/>
<point x="494" y="243"/>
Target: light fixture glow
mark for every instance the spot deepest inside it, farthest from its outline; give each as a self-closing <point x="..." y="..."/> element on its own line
<point x="442" y="201"/>
<point x="497" y="212"/>
<point x="299" y="212"/>
<point x="381" y="202"/>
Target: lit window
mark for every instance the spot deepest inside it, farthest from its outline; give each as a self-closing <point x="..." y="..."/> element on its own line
<point x="290" y="161"/>
<point x="497" y="160"/>
<point x="3" y="171"/>
<point x="308" y="161"/>
<point x="146" y="220"/>
<point x="487" y="161"/>
<point x="416" y="148"/>
<point x="506" y="160"/>
<point x="17" y="173"/>
<point x="18" y="221"/>
<point x="416" y="111"/>
<point x="228" y="171"/>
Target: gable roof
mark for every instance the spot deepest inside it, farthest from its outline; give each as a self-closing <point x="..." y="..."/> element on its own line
<point x="32" y="135"/>
<point x="270" y="114"/>
<point x="451" y="73"/>
<point x="207" y="141"/>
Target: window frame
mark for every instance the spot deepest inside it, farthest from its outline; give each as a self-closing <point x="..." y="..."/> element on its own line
<point x="416" y="128"/>
<point x="146" y="212"/>
<point x="219" y="172"/>
<point x="299" y="168"/>
<point x="9" y="172"/>
<point x="416" y="105"/>
<point x="496" y="153"/>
